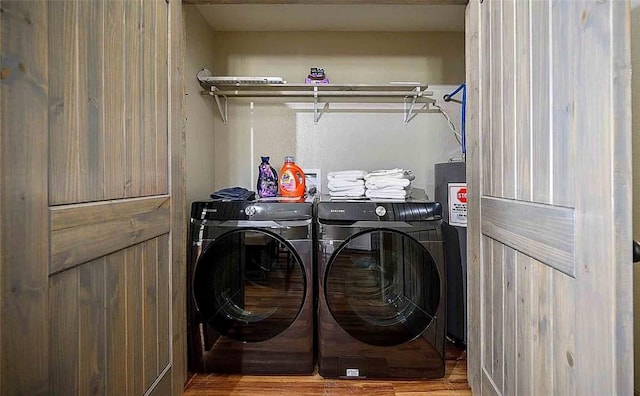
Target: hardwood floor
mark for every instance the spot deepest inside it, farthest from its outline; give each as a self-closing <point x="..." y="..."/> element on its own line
<point x="454" y="383"/>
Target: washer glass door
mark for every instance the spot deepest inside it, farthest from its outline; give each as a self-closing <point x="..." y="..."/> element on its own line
<point x="249" y="285"/>
<point x="382" y="287"/>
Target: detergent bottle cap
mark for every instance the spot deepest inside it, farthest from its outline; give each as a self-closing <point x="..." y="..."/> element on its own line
<point x="289" y="158"/>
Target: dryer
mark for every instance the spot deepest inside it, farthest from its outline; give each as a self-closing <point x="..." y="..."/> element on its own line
<point x="381" y="296"/>
<point x="250" y="282"/>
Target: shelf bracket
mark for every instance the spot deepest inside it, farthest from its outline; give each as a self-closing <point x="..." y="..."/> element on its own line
<point x="223" y="112"/>
<point x="408" y="110"/>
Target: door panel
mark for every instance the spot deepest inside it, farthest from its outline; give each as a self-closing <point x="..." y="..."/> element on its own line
<point x="118" y="349"/>
<point x="550" y="169"/>
<point x="108" y="100"/>
<point x="23" y="198"/>
<point x="104" y="227"/>
<point x="109" y="147"/>
<point x="85" y="285"/>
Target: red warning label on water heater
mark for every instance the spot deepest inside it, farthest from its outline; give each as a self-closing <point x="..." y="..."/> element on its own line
<point x="458" y="204"/>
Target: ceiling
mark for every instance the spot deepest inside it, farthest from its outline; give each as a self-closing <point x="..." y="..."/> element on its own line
<point x="334" y="17"/>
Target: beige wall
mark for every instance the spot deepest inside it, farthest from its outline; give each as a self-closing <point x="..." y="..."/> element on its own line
<point x="369" y="137"/>
<point x="200" y="110"/>
<point x="635" y="92"/>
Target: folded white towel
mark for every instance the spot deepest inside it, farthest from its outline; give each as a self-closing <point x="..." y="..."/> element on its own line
<point x="384" y="182"/>
<point x="396" y="172"/>
<point x="341" y="184"/>
<point x="373" y="194"/>
<point x="346" y="174"/>
<point x="391" y="173"/>
<point x="354" y="192"/>
<point x="390" y="189"/>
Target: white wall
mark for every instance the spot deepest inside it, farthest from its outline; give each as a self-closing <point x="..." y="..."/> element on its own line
<point x="635" y="99"/>
<point x="368" y="138"/>
<point x="200" y="112"/>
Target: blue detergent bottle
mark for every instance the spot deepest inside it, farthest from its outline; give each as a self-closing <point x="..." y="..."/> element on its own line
<point x="267" y="179"/>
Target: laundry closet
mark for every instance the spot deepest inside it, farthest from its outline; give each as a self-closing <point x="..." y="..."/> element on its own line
<point x="388" y="69"/>
<point x="523" y="63"/>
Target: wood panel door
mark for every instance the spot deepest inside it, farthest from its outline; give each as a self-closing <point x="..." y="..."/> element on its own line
<point x="549" y="154"/>
<point x="92" y="208"/>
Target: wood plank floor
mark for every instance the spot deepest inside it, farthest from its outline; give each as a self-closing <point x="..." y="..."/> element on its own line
<point x="454" y="383"/>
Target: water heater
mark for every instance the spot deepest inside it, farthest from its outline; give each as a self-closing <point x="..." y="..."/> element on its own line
<point x="451" y="192"/>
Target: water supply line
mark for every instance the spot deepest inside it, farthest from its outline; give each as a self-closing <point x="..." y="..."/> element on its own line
<point x="449" y="98"/>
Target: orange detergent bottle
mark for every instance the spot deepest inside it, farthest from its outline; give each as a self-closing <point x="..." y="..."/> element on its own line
<point x="292" y="179"/>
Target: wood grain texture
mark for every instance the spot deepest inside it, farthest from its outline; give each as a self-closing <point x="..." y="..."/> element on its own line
<point x="541" y="147"/>
<point x="497" y="107"/>
<point x="497" y="313"/>
<point x="63" y="333"/>
<point x="163" y="387"/>
<point x="542" y="321"/>
<point x="603" y="122"/>
<point x="563" y="36"/>
<point x="510" y="353"/>
<point x="64" y="170"/>
<point x="164" y="301"/>
<point x="453" y="383"/>
<point x="133" y="99"/>
<point x="486" y="167"/>
<point x="564" y="33"/>
<point x="486" y="298"/>
<point x="622" y="180"/>
<point x="91" y="328"/>
<point x="523" y="101"/>
<point x="90" y="97"/>
<point x="524" y="325"/>
<point x="24" y="349"/>
<point x="135" y="342"/>
<point x="524" y="272"/>
<point x="488" y="386"/>
<point x="104" y="228"/>
<point x="473" y="122"/>
<point x="179" y="209"/>
<point x="544" y="232"/>
<point x="509" y="129"/>
<point x="114" y="101"/>
<point x="564" y="348"/>
<point x="162" y="95"/>
<point x="150" y="312"/>
<point x="148" y="97"/>
<point x="116" y="324"/>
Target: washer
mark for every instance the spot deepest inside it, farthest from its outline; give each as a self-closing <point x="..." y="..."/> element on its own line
<point x="251" y="286"/>
<point x="381" y="296"/>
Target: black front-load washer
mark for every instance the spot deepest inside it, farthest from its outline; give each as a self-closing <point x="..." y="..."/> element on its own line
<point x="251" y="287"/>
<point x="381" y="296"/>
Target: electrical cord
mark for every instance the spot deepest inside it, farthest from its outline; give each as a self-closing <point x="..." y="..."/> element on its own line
<point x="451" y="125"/>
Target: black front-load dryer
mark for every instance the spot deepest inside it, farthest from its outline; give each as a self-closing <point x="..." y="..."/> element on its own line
<point x="381" y="296"/>
<point x="251" y="287"/>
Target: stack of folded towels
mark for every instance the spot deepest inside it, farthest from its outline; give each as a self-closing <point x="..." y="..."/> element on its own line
<point x="346" y="184"/>
<point x="388" y="184"/>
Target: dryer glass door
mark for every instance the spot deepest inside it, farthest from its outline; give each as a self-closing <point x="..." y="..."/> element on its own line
<point x="249" y="285"/>
<point x="382" y="287"/>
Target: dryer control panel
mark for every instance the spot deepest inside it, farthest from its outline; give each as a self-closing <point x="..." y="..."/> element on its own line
<point x="379" y="211"/>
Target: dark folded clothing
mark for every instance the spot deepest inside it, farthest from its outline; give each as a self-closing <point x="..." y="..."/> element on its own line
<point x="234" y="194"/>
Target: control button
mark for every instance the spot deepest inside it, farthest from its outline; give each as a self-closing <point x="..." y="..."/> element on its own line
<point x="381" y="211"/>
<point x="250" y="210"/>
